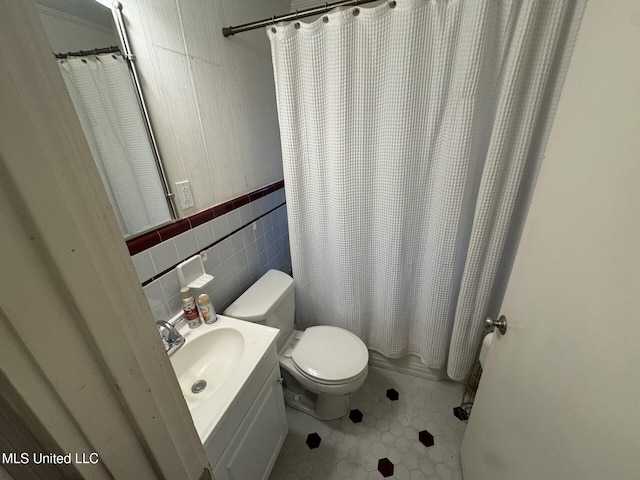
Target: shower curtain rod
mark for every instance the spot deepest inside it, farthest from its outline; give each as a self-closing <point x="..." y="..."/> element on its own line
<point x="86" y="53"/>
<point x="307" y="12"/>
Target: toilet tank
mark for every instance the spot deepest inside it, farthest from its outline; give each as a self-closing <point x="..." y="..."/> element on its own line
<point x="269" y="301"/>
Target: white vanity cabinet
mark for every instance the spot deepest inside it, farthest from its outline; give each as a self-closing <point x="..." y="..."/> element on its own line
<point x="249" y="437"/>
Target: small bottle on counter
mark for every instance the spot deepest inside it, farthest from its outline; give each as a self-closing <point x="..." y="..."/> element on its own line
<point x="206" y="308"/>
<point x="190" y="309"/>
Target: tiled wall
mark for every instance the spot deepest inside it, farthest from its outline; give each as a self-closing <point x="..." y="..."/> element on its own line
<point x="242" y="239"/>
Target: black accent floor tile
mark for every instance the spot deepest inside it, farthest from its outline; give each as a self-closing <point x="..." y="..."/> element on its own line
<point x="355" y="416"/>
<point x="426" y="438"/>
<point x="385" y="467"/>
<point x="313" y="440"/>
<point x="392" y="394"/>
<point x="461" y="414"/>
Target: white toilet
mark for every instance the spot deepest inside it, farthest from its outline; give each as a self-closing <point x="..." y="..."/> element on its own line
<point x="321" y="366"/>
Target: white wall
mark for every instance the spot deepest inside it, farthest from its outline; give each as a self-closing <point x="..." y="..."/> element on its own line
<point x="69" y="33"/>
<point x="556" y="400"/>
<point x="211" y="99"/>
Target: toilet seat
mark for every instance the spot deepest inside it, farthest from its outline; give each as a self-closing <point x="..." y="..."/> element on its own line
<point x="324" y="383"/>
<point x="330" y="355"/>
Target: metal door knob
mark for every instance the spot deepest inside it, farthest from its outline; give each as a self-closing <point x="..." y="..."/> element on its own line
<point x="500" y="323"/>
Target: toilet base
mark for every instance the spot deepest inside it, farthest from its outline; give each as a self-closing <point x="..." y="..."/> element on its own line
<point x="332" y="408"/>
<point x="322" y="407"/>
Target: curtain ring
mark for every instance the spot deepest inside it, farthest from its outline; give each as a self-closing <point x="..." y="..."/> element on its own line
<point x="392" y="4"/>
<point x="297" y="25"/>
<point x="356" y="12"/>
<point x="326" y="7"/>
<point x="296" y="14"/>
<point x="325" y="19"/>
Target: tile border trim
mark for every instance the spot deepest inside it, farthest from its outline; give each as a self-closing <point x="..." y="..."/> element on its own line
<point x="159" y="235"/>
<point x="164" y="272"/>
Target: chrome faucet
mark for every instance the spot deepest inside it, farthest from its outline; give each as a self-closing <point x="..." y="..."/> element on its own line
<point x="170" y="336"/>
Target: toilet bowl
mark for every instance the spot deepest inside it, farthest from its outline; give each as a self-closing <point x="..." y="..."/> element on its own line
<point x="321" y="366"/>
<point x="330" y="363"/>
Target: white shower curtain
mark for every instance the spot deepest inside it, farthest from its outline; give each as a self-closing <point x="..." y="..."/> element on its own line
<point x="104" y="99"/>
<point x="412" y="134"/>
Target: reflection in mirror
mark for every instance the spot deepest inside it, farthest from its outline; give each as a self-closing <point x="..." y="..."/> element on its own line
<point x="106" y="102"/>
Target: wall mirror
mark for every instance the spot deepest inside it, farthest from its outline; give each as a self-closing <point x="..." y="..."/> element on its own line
<point x="111" y="111"/>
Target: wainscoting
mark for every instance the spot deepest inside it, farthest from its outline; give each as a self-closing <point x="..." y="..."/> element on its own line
<point x="242" y="239"/>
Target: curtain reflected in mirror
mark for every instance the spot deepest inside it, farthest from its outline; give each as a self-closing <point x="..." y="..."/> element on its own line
<point x="107" y="104"/>
<point x="105" y="101"/>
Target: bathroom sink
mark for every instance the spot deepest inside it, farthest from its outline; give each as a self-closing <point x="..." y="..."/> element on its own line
<point x="214" y="364"/>
<point x="205" y="363"/>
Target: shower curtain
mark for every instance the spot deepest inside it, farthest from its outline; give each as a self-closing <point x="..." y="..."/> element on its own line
<point x="411" y="136"/>
<point x="107" y="106"/>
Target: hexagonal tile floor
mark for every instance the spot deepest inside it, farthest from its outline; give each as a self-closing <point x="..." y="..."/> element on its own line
<point x="382" y="437"/>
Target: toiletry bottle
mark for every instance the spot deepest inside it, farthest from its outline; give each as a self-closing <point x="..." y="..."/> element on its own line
<point x="190" y="308"/>
<point x="206" y="308"/>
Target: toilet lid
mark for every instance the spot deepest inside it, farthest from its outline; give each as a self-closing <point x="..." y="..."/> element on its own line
<point x="330" y="354"/>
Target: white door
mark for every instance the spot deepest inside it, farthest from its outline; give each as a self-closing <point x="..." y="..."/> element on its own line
<point x="560" y="394"/>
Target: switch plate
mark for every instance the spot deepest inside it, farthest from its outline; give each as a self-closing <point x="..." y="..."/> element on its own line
<point x="184" y="194"/>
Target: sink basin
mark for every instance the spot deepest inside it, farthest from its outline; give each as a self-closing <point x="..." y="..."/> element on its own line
<point x="205" y="363"/>
<point x="215" y="363"/>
